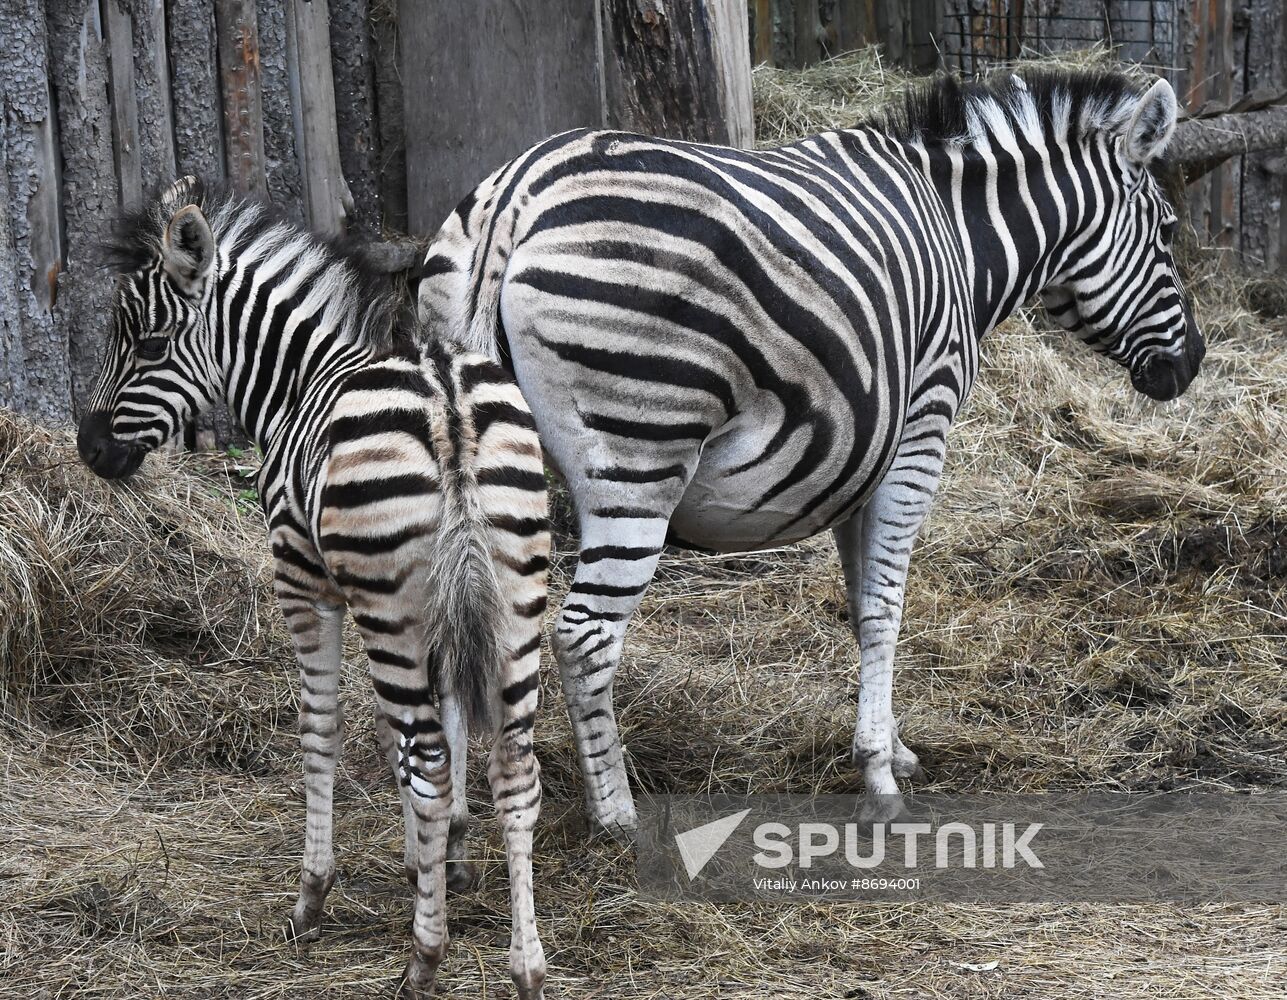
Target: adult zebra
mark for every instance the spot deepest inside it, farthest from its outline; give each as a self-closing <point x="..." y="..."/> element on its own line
<point x="731" y="349"/>
<point x="402" y="481"/>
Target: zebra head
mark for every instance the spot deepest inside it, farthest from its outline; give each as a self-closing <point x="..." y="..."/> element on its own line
<point x="1117" y="288"/>
<point x="158" y="369"/>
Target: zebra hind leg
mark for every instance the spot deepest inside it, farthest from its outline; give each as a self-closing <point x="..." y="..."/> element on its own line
<point x="462" y="875"/>
<point x="315" y="629"/>
<point x="387" y="736"/>
<point x="515" y="778"/>
<point x="398" y="655"/>
<point x="619" y="552"/>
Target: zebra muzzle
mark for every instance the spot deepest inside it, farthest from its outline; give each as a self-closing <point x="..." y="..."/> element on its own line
<point x="105" y="455"/>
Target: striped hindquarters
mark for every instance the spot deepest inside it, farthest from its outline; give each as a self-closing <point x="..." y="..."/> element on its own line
<point x="432" y="516"/>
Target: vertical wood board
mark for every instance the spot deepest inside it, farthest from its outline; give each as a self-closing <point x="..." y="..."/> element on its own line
<point x="482" y="82"/>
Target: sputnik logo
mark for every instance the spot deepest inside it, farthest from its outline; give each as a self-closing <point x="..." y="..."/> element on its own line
<point x="698" y="845"/>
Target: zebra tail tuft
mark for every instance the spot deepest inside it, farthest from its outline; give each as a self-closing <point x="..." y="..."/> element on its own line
<point x="465" y="608"/>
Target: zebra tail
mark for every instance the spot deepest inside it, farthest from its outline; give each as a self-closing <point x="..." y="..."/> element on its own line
<point x="466" y="615"/>
<point x="490" y="267"/>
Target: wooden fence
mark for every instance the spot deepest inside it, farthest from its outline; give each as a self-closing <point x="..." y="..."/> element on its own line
<point x="376" y="116"/>
<point x="368" y="116"/>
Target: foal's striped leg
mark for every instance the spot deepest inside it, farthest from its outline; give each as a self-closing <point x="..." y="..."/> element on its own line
<point x="401" y="681"/>
<point x="461" y="873"/>
<point x="315" y="630"/>
<point x="513" y="771"/>
<point x="387" y="737"/>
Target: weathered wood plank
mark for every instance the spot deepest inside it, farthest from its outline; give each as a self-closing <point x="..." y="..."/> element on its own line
<point x="1222" y="227"/>
<point x="1262" y="205"/>
<point x="924" y="25"/>
<point x="326" y="195"/>
<point x="237" y="31"/>
<point x="483" y="81"/>
<point x="762" y="31"/>
<point x="281" y="157"/>
<point x="857" y="21"/>
<point x="730" y="48"/>
<point x="808" y="28"/>
<point x="118" y="26"/>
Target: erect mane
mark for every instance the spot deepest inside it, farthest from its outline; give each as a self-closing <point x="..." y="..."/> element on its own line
<point x="135" y="242"/>
<point x="1063" y="104"/>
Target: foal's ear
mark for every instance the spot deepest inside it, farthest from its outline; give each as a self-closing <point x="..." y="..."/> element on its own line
<point x="1152" y="123"/>
<point x="188" y="250"/>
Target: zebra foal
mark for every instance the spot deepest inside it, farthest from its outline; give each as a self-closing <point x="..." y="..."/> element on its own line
<point x="729" y="350"/>
<point x="402" y="483"/>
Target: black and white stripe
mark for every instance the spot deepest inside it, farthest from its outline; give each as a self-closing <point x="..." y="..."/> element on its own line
<point x="400" y="480"/>
<point x="730" y="349"/>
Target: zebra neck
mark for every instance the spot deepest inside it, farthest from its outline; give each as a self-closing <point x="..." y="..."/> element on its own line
<point x="1011" y="213"/>
<point x="289" y="349"/>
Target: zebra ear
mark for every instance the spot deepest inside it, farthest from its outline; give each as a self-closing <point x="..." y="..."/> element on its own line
<point x="188" y="250"/>
<point x="185" y="191"/>
<point x="1152" y="123"/>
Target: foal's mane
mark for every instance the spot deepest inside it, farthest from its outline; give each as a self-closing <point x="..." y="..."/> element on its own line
<point x="134" y="242"/>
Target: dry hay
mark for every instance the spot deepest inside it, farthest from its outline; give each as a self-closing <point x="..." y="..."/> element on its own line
<point x="1098" y="598"/>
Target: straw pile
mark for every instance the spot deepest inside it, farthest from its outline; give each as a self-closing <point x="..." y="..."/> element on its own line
<point x="1098" y="599"/>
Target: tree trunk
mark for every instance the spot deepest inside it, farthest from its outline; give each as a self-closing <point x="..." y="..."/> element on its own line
<point x="390" y="120"/>
<point x="35" y="372"/>
<point x="240" y="84"/>
<point x="353" y="71"/>
<point x="678" y="68"/>
<point x="152" y="88"/>
<point x="78" y="65"/>
<point x="194" y="88"/>
<point x="281" y="161"/>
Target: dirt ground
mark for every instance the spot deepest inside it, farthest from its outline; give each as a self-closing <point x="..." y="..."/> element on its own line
<point x="1098" y="601"/>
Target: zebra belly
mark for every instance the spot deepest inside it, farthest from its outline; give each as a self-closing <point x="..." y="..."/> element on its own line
<point x="723" y="507"/>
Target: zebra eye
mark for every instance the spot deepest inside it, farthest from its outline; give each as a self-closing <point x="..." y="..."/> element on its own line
<point x="152" y="348"/>
<point x="1168" y="232"/>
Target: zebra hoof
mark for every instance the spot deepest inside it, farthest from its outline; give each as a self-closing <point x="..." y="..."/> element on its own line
<point x="878" y="809"/>
<point x="301" y="930"/>
<point x="906" y="765"/>
<point x="623" y="831"/>
<point x="462" y="876"/>
<point x="530" y="987"/>
<point x="418" y="978"/>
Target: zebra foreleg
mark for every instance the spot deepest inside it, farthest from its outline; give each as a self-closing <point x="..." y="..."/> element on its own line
<point x="875" y="547"/>
<point x="315" y="629"/>
<point x="617" y="559"/>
